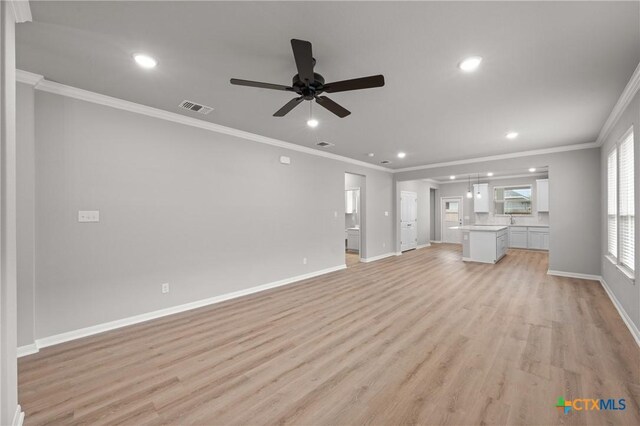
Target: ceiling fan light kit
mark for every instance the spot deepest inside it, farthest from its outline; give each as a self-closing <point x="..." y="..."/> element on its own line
<point x="309" y="85"/>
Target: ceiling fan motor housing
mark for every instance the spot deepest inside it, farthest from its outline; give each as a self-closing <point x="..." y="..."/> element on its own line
<point x="312" y="90"/>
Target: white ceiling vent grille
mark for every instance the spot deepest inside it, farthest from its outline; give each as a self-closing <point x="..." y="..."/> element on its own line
<point x="192" y="106"/>
<point x="325" y="144"/>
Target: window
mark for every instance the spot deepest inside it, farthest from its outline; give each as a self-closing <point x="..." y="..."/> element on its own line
<point x="626" y="209"/>
<point x="512" y="199"/>
<point x="620" y="204"/>
<point x="612" y="203"/>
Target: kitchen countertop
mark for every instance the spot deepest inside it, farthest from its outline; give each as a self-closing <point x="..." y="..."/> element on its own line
<point x="485" y="228"/>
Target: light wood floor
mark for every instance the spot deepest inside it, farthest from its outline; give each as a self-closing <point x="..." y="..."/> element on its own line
<point x="352" y="259"/>
<point x="418" y="339"/>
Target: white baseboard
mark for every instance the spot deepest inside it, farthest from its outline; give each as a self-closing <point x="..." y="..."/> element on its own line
<point x="27" y="350"/>
<point x="374" y="258"/>
<point x="574" y="275"/>
<point x="423" y="246"/>
<point x="18" y="417"/>
<point x="398" y="253"/>
<point x="112" y="325"/>
<point x="625" y="317"/>
<point x="436" y="241"/>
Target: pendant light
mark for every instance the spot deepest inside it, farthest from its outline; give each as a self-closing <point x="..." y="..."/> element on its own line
<point x="478" y="194"/>
<point x="311" y="122"/>
<point x="469" y="193"/>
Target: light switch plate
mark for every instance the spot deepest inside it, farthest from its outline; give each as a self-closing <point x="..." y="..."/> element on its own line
<point x="285" y="160"/>
<point x="88" y="216"/>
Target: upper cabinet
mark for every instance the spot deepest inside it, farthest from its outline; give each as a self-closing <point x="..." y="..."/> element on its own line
<point x="481" y="198"/>
<point x="351" y="200"/>
<point x="542" y="196"/>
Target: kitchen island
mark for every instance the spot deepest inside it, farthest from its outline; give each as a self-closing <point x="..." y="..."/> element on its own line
<point x="484" y="243"/>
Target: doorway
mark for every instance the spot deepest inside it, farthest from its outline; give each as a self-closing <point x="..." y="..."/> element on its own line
<point x="353" y="218"/>
<point x="432" y="214"/>
<point x="451" y="215"/>
<point x="408" y="220"/>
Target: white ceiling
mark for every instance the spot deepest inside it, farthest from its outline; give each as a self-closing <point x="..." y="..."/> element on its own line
<point x="552" y="70"/>
<point x="481" y="175"/>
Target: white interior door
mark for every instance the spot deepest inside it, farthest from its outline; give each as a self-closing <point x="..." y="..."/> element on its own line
<point x="408" y="220"/>
<point x="451" y="218"/>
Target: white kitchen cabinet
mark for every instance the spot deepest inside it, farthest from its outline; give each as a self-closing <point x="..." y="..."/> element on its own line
<point x="518" y="237"/>
<point x="481" y="205"/>
<point x="353" y="239"/>
<point x="539" y="238"/>
<point x="542" y="195"/>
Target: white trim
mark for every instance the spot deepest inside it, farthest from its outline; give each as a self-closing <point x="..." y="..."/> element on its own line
<point x="554" y="150"/>
<point x="379" y="257"/>
<point x="423" y="246"/>
<point x="27" y="77"/>
<point x="97" y="98"/>
<point x="18" y="417"/>
<point x="625" y="317"/>
<point x="436" y="241"/>
<point x="574" y="275"/>
<point x="21" y="10"/>
<point x="627" y="95"/>
<point x="112" y="325"/>
<point x="27" y="350"/>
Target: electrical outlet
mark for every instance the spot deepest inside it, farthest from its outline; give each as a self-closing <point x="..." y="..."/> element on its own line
<point x="88" y="216"/>
<point x="304" y="260"/>
<point x="165" y="288"/>
<point x="384" y="245"/>
<point x="386" y="213"/>
<point x="335" y="214"/>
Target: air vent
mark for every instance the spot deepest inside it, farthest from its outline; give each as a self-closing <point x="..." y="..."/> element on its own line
<point x="325" y="144"/>
<point x="385" y="162"/>
<point x="192" y="106"/>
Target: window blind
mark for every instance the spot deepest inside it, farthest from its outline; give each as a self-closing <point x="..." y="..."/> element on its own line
<point x="626" y="208"/>
<point x="612" y="203"/>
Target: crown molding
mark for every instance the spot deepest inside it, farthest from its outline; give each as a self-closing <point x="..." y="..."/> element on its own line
<point x="21" y="10"/>
<point x="553" y="150"/>
<point x="627" y="95"/>
<point x="29" y="78"/>
<point x="40" y="83"/>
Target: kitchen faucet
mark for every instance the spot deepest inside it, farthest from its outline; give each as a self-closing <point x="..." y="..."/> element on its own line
<point x="512" y="221"/>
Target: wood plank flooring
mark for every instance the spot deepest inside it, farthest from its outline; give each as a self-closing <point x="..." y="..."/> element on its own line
<point x="418" y="339"/>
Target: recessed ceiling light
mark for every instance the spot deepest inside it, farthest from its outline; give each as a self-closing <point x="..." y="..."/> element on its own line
<point x="371" y="154"/>
<point x="402" y="155"/>
<point x="312" y="122"/>
<point x="145" y="61"/>
<point x="512" y="135"/>
<point x="452" y="177"/>
<point x="490" y="174"/>
<point x="470" y="64"/>
<point x="533" y="169"/>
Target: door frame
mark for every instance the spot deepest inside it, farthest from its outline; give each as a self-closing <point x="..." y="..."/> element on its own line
<point x="460" y="213"/>
<point x="359" y="209"/>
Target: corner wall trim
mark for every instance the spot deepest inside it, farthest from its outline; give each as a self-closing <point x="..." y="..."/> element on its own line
<point x="574" y="275"/>
<point x="18" y="417"/>
<point x="21" y="11"/>
<point x="40" y="83"/>
<point x="627" y="95"/>
<point x="112" y="325"/>
<point x="374" y="258"/>
<point x="625" y="317"/>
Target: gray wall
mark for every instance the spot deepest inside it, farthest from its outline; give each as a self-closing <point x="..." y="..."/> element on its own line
<point x="206" y="212"/>
<point x="574" y="202"/>
<point x="25" y="181"/>
<point x="625" y="290"/>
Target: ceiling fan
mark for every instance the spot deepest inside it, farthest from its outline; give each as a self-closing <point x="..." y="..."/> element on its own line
<point x="310" y="85"/>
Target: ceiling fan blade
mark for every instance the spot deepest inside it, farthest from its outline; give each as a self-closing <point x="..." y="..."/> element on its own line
<point x="288" y="107"/>
<point x="261" y="85"/>
<point x="304" y="59"/>
<point x="332" y="106"/>
<point x="355" y="84"/>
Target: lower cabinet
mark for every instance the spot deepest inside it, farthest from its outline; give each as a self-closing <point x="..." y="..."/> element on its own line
<point x="353" y="240"/>
<point x="529" y="237"/>
<point x="502" y="243"/>
<point x="518" y="237"/>
<point x="539" y="238"/>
